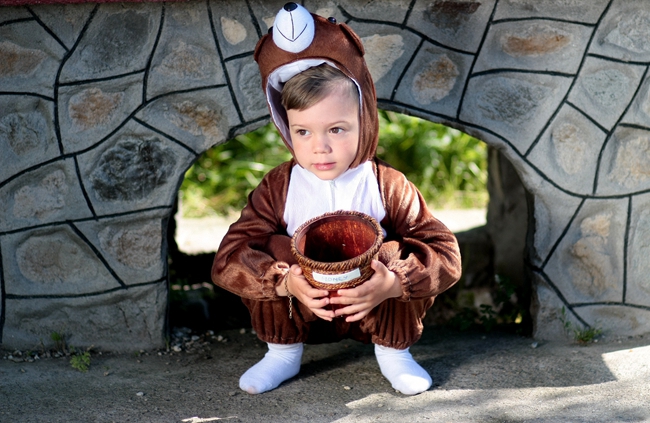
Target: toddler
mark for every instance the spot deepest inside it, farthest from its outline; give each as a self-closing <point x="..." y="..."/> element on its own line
<point x="323" y="102"/>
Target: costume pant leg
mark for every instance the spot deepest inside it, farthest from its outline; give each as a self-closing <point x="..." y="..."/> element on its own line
<point x="270" y="319"/>
<point x="396" y="324"/>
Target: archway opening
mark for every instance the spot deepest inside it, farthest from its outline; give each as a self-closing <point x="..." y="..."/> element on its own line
<point x="470" y="187"/>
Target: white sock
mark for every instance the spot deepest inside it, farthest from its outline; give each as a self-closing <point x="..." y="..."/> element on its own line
<point x="280" y="363"/>
<point x="402" y="371"/>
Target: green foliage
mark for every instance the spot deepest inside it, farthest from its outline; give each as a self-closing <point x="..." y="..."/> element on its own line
<point x="582" y="336"/>
<point x="505" y="311"/>
<point x="59" y="341"/>
<point x="464" y="319"/>
<point x="488" y="317"/>
<point x="80" y="360"/>
<point x="448" y="166"/>
<point x="587" y="335"/>
<point x="221" y="179"/>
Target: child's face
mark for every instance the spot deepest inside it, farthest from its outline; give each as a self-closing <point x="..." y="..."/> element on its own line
<point x="325" y="137"/>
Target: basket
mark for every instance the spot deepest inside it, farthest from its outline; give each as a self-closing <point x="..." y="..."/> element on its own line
<point x="335" y="250"/>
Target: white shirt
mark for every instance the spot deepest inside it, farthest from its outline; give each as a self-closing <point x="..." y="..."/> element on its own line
<point x="309" y="196"/>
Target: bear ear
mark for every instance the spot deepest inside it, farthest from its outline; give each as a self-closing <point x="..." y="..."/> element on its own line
<point x="258" y="47"/>
<point x="294" y="28"/>
<point x="354" y="37"/>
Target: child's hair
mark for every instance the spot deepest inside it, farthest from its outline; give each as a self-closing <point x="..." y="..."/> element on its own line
<point x="314" y="84"/>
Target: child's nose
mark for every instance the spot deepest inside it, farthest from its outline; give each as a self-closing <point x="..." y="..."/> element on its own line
<point x="321" y="144"/>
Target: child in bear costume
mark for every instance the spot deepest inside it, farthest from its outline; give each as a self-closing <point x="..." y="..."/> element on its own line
<point x="332" y="137"/>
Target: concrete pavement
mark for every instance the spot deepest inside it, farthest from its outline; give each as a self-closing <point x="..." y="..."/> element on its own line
<point x="478" y="377"/>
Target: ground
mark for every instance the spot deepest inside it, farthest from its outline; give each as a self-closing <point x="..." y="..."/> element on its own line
<point x="478" y="377"/>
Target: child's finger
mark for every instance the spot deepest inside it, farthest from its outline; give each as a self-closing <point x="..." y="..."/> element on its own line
<point x="344" y="297"/>
<point x="319" y="310"/>
<point x="324" y="316"/>
<point x="378" y="267"/>
<point x="315" y="303"/>
<point x="353" y="317"/>
<point x="318" y="295"/>
<point x="351" y="295"/>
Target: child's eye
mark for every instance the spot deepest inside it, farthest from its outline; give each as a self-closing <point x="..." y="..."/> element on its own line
<point x="336" y="130"/>
<point x="302" y="132"/>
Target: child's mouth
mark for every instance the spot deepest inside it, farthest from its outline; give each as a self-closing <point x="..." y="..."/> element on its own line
<point x="324" y="166"/>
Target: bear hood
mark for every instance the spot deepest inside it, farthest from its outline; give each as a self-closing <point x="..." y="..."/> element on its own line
<point x="299" y="40"/>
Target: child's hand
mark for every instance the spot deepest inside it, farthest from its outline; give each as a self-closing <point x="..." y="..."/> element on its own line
<point x="362" y="299"/>
<point x="315" y="299"/>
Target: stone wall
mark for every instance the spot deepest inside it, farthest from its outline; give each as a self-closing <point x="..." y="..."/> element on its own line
<point x="103" y="108"/>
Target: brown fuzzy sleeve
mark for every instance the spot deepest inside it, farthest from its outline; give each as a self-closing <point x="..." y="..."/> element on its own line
<point x="419" y="248"/>
<point x="256" y="251"/>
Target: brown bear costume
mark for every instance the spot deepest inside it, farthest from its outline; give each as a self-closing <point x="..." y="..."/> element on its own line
<point x="255" y="254"/>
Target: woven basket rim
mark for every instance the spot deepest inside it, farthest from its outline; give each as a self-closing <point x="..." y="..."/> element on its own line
<point x="338" y="266"/>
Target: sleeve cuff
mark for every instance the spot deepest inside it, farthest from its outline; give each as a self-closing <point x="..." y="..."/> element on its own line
<point x="272" y="278"/>
<point x="404" y="281"/>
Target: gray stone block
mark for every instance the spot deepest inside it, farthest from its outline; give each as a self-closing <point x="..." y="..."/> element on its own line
<point x="51" y="193"/>
<point x="31" y="58"/>
<point x="506" y="224"/>
<point x="27" y="136"/>
<point x="587" y="11"/>
<point x="186" y="56"/>
<point x="53" y="261"/>
<point x="624" y="33"/>
<point x="124" y="320"/>
<point x="378" y="10"/>
<point x="514" y="105"/>
<point x="570" y="141"/>
<point x="604" y="88"/>
<point x="435" y="80"/>
<point x="624" y="163"/>
<point x="264" y="11"/>
<point x="14" y="13"/>
<point x="615" y="320"/>
<point x="638" y="250"/>
<point x="244" y="129"/>
<point x="553" y="211"/>
<point x="457" y="24"/>
<point x="540" y="45"/>
<point x="587" y="265"/>
<point x="199" y="119"/>
<point x="547" y="308"/>
<point x="388" y="50"/>
<point x="130" y="245"/>
<point x="66" y="21"/>
<point x="247" y="84"/>
<point x="132" y="168"/>
<point x="135" y="169"/>
<point x="119" y="40"/>
<point x="236" y="30"/>
<point x="90" y="112"/>
<point x="326" y="9"/>
<point x="638" y="112"/>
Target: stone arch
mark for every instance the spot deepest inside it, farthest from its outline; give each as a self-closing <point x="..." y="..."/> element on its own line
<point x="99" y="120"/>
